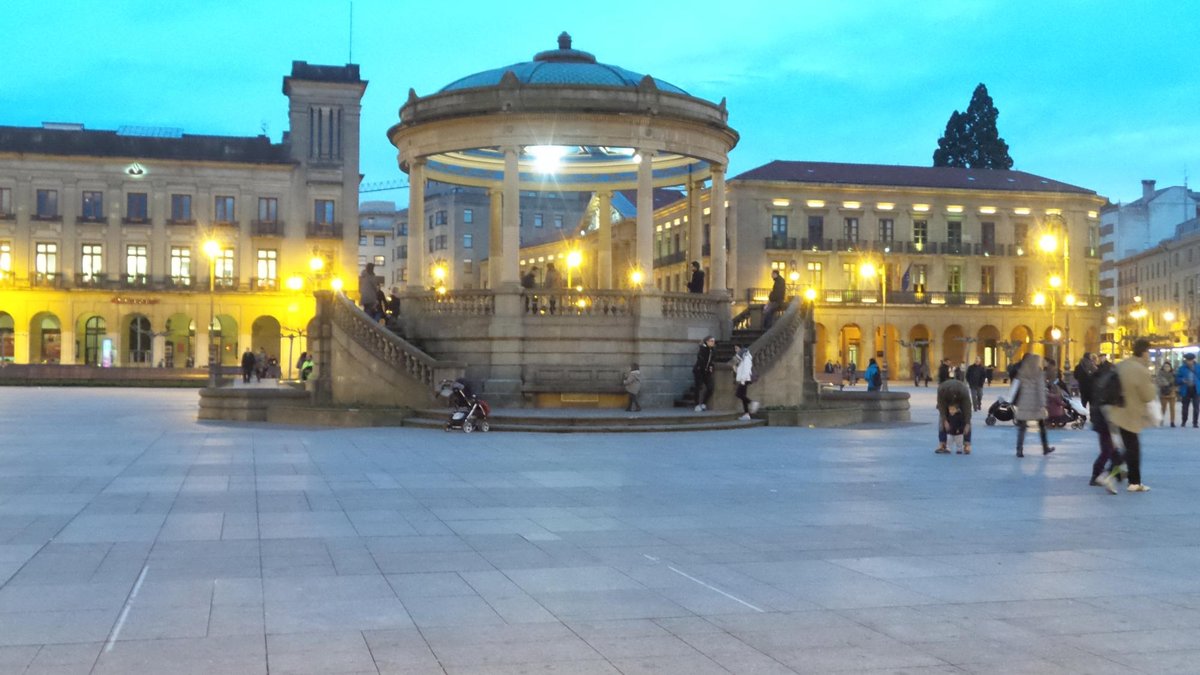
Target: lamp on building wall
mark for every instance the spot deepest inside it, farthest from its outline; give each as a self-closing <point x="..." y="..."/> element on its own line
<point x="212" y="249"/>
<point x="636" y="278"/>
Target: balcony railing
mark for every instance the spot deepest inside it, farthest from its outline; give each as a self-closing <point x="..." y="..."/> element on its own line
<point x="670" y="259"/>
<point x="182" y="222"/>
<point x="141" y="220"/>
<point x="178" y="283"/>
<point x="816" y="244"/>
<point x="7" y="216"/>
<point x="135" y="281"/>
<point x="91" y="220"/>
<point x="325" y="230"/>
<point x="226" y="283"/>
<point x="83" y="280"/>
<point x="263" y="284"/>
<point x="225" y="223"/>
<point x="46" y="280"/>
<point x="780" y="243"/>
<point x="267" y="228"/>
<point x="47" y="217"/>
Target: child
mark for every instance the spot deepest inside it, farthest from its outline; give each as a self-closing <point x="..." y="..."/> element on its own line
<point x="633" y="385"/>
<point x="958" y="426"/>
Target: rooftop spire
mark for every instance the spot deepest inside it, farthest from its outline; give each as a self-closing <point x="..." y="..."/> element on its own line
<point x="564" y="40"/>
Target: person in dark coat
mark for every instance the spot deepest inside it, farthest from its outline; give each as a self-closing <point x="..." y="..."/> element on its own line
<point x="943" y="373"/>
<point x="248" y="362"/>
<point x="774" y="299"/>
<point x="953" y="392"/>
<point x="976" y="378"/>
<point x="702" y="372"/>
<point x="696" y="283"/>
<point x="1084" y="371"/>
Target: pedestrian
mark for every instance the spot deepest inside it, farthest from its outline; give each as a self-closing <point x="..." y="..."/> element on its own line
<point x="633" y="385"/>
<point x="702" y="372"/>
<point x="696" y="283"/>
<point x="306" y="367"/>
<point x="552" y="282"/>
<point x="916" y="373"/>
<point x="300" y="363"/>
<point x="874" y="378"/>
<point x="1166" y="391"/>
<point x="1186" y="378"/>
<point x="260" y="364"/>
<point x="976" y="377"/>
<point x="943" y="373"/>
<point x="953" y="393"/>
<point x="743" y="374"/>
<point x="852" y="373"/>
<point x="1136" y="411"/>
<point x="247" y="365"/>
<point x="1029" y="400"/>
<point x="829" y="367"/>
<point x="368" y="292"/>
<point x="1108" y="451"/>
<point x="925" y="372"/>
<point x="528" y="283"/>
<point x="1084" y="371"/>
<point x="774" y="299"/>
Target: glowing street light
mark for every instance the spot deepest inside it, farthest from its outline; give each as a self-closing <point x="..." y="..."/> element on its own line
<point x="295" y="282"/>
<point x="1055" y="281"/>
<point x="810" y="294"/>
<point x="574" y="258"/>
<point x="1048" y="243"/>
<point x="1039" y="299"/>
<point x="212" y="248"/>
<point x="636" y="278"/>
<point x="336" y="284"/>
<point x="869" y="271"/>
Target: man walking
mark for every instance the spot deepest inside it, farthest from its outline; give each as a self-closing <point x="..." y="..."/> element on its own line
<point x="1186" y="379"/>
<point x="702" y="372"/>
<point x="774" y="299"/>
<point x="1134" y="412"/>
<point x="976" y="376"/>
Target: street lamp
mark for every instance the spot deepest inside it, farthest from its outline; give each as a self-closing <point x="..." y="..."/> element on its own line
<point x="574" y="258"/>
<point x="636" y="278"/>
<point x="212" y="249"/>
<point x="869" y="271"/>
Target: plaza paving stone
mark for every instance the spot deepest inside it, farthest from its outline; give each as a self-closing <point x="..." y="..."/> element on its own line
<point x="136" y="539"/>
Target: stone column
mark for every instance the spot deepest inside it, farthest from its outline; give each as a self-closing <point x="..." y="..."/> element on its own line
<point x="717" y="208"/>
<point x="695" y="224"/>
<point x="604" y="222"/>
<point x="157" y="349"/>
<point x="495" y="244"/>
<point x="510" y="267"/>
<point x="416" y="225"/>
<point x="645" y="217"/>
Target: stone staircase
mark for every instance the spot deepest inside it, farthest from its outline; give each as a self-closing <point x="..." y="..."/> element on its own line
<point x="747" y="328"/>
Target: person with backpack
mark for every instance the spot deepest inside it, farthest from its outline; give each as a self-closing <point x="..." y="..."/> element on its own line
<point x="1137" y="409"/>
<point x="874" y="377"/>
<point x="1186" y="378"/>
<point x="1029" y="401"/>
<point x="1100" y="383"/>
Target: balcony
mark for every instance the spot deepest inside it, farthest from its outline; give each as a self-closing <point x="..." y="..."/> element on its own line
<point x="182" y="222"/>
<point x="779" y="243"/>
<point x="178" y="283"/>
<point x="264" y="284"/>
<point x="670" y="259"/>
<point x="1091" y="252"/>
<point x="46" y="217"/>
<point x="955" y="248"/>
<point x="816" y="244"/>
<point x="851" y="245"/>
<point x="91" y="220"/>
<point x="872" y="297"/>
<point x="46" y="280"/>
<point x="324" y="230"/>
<point x="226" y="283"/>
<point x="267" y="228"/>
<point x="139" y="220"/>
<point x="83" y="280"/>
<point x="135" y="281"/>
<point x="917" y="247"/>
<point x="7" y="216"/>
<point x="225" y="224"/>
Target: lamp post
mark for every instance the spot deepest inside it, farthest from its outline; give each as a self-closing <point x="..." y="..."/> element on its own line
<point x="574" y="258"/>
<point x="212" y="249"/>
<point x="869" y="271"/>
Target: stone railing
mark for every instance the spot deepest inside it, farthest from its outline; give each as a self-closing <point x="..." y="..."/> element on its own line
<point x="689" y="306"/>
<point x="384" y="344"/>
<point x="768" y="348"/>
<point x="455" y="303"/>
<point x="578" y="303"/>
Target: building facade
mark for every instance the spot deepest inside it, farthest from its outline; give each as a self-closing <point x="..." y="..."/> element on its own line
<point x="377" y="224"/>
<point x="134" y="247"/>
<point x="1126" y="229"/>
<point x="1157" y="292"/>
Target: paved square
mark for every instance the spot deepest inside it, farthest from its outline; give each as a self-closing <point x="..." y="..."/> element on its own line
<point x="134" y="539"/>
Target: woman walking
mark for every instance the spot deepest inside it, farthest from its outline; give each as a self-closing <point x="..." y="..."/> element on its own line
<point x="743" y="373"/>
<point x="1030" y="401"/>
<point x="1166" y="390"/>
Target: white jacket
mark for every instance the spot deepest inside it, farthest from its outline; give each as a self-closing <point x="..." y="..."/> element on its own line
<point x="745" y="368"/>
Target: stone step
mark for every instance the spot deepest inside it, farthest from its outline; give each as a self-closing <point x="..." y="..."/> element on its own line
<point x="590" y="420"/>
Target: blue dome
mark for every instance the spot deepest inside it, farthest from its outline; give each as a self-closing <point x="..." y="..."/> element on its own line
<point x="562" y="66"/>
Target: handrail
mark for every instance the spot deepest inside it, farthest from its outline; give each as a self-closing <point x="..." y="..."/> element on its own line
<point x="689" y="306"/>
<point x="767" y="349"/>
<point x="473" y="302"/>
<point x="384" y="344"/>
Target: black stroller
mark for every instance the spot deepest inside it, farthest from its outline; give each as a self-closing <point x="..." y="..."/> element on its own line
<point x="1000" y="410"/>
<point x="469" y="411"/>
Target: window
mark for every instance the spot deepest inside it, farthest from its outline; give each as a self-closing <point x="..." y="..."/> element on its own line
<point x="135" y="263"/>
<point x="136" y="207"/>
<point x="954" y="283"/>
<point x="439" y="218"/>
<point x="468" y="241"/>
<point x="987" y="232"/>
<point x="5" y="259"/>
<point x="380" y="240"/>
<point x="268" y="261"/>
<point x="362" y="261"/>
<point x="920" y="277"/>
<point x="442" y="241"/>
<point x="1094" y="239"/>
<point x="468" y="267"/>
<point x="816" y="230"/>
<point x="1020" y="284"/>
<point x="954" y="232"/>
<point x="402" y="231"/>
<point x="851" y="229"/>
<point x="6" y="202"/>
<point x="362" y="240"/>
<point x="887" y="229"/>
<point x="558" y="220"/>
<point x="323" y="212"/>
<point x="779" y="226"/>
<point x="223" y="209"/>
<point x="93" y="205"/>
<point x="45" y="261"/>
<point x="380" y="261"/>
<point x="850" y="276"/>
<point x="1020" y="234"/>
<point x="226" y="265"/>
<point x="91" y="262"/>
<point x="181" y="208"/>
<point x="537" y="220"/>
<point x="268" y="209"/>
<point x="816" y="274"/>
<point x="181" y="266"/>
<point x="920" y="232"/>
<point x="429" y="219"/>
<point x="1094" y="283"/>
<point x="403" y="252"/>
<point x="987" y="279"/>
<point x="468" y="216"/>
<point x="47" y="204"/>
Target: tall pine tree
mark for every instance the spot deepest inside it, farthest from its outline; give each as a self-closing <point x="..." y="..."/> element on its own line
<point x="971" y="138"/>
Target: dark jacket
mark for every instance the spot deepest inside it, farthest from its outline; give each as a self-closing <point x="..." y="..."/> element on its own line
<point x="1083" y="378"/>
<point x="778" y="290"/>
<point x="976" y="376"/>
<point x="954" y="392"/>
<point x="248" y="360"/>
<point x="943" y="373"/>
<point x="696" y="285"/>
<point x="704" y="359"/>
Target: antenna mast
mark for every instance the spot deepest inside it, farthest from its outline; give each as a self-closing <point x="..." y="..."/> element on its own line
<point x="350" y="55"/>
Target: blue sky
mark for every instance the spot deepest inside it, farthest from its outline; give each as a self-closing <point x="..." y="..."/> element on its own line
<point x="1100" y="94"/>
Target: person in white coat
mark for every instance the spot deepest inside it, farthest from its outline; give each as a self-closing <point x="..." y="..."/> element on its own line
<point x="743" y="374"/>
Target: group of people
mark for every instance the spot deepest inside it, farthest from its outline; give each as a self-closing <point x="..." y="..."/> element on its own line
<point x="704" y="376"/>
<point x="1179" y="385"/>
<point x="259" y="366"/>
<point x="378" y="305"/>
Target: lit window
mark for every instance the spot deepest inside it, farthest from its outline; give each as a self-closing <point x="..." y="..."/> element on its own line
<point x="181" y="266"/>
<point x="91" y="261"/>
<point x="268" y="260"/>
<point x="380" y="261"/>
<point x="136" y="263"/>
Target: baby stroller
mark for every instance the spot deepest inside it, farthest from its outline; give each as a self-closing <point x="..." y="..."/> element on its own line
<point x="469" y="411"/>
<point x="1000" y="410"/>
<point x="1063" y="410"/>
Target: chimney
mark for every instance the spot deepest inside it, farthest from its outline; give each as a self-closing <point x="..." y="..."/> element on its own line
<point x="1147" y="189"/>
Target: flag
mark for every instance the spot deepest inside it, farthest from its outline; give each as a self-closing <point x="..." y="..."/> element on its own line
<point x="906" y="279"/>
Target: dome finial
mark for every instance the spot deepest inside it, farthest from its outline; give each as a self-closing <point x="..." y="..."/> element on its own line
<point x="564" y="40"/>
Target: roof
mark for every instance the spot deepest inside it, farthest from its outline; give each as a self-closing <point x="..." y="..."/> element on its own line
<point x="625" y="201"/>
<point x="564" y="67"/>
<point x="98" y="143"/>
<point x="906" y="176"/>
